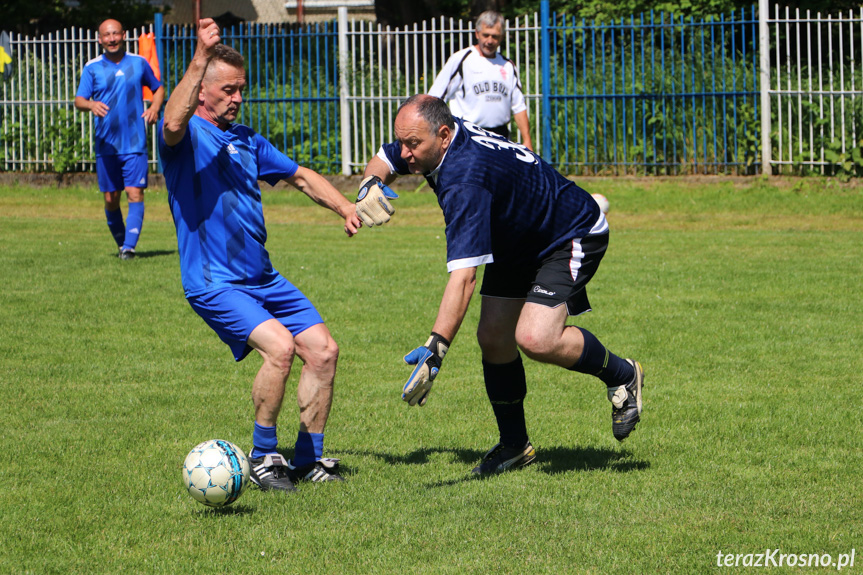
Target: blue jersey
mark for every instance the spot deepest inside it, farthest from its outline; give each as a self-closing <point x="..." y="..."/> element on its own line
<point x="501" y="202"/>
<point x="119" y="86"/>
<point x="212" y="179"/>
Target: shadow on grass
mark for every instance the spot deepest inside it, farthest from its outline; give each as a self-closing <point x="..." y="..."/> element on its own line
<point x="155" y="253"/>
<point x="229" y="510"/>
<point x="562" y="459"/>
<point x="552" y="460"/>
<point x="421" y="456"/>
<point x="557" y="460"/>
<point x="150" y="254"/>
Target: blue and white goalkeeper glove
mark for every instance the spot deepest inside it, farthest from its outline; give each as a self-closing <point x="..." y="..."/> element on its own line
<point x="373" y="202"/>
<point x="427" y="359"/>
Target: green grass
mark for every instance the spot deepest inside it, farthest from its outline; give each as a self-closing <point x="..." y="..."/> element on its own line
<point x="740" y="297"/>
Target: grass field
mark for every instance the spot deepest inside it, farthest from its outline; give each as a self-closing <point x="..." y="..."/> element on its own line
<point x="741" y="299"/>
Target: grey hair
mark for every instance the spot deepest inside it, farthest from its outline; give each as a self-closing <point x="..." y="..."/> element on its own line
<point x="491" y="18"/>
<point x="229" y="56"/>
<point x="431" y="109"/>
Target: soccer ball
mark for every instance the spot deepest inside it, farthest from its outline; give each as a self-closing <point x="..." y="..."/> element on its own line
<point x="216" y="472"/>
<point x="602" y="201"/>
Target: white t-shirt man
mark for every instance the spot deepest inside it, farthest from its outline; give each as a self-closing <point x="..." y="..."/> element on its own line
<point x="482" y="86"/>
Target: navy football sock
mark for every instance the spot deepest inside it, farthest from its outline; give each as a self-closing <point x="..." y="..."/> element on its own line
<point x="506" y="387"/>
<point x="115" y="225"/>
<point x="308" y="449"/>
<point x="264" y="440"/>
<point x="598" y="361"/>
<point x="134" y="223"/>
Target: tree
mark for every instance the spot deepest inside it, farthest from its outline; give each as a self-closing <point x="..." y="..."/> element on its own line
<point x="35" y="17"/>
<point x="606" y="10"/>
<point x="401" y="12"/>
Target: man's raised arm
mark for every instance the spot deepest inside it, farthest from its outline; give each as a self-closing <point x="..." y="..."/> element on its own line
<point x="184" y="99"/>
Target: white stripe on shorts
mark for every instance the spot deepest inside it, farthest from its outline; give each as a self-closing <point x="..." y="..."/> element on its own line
<point x="577" y="253"/>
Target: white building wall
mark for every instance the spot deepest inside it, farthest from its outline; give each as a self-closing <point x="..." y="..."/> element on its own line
<point x="266" y="11"/>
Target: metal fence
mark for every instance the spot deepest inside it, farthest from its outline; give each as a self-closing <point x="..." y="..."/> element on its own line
<point x="40" y="128"/>
<point x="386" y="65"/>
<point x="815" y="91"/>
<point x="292" y="94"/>
<point x="650" y="94"/>
<point x="653" y="94"/>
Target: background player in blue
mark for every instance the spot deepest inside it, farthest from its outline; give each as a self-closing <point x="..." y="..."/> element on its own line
<point x="212" y="167"/>
<point x="541" y="239"/>
<point x="112" y="89"/>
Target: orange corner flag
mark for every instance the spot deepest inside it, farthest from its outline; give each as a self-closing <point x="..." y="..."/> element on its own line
<point x="147" y="50"/>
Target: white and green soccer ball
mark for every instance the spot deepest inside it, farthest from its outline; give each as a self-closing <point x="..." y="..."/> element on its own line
<point x="602" y="201"/>
<point x="216" y="472"/>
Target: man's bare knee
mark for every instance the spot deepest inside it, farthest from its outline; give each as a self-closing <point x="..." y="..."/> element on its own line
<point x="135" y="194"/>
<point x="112" y="201"/>
<point x="322" y="357"/>
<point x="281" y="355"/>
<point x="535" y="344"/>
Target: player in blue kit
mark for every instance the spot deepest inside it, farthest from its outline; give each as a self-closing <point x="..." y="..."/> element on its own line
<point x="541" y="239"/>
<point x="212" y="167"/>
<point x="112" y="89"/>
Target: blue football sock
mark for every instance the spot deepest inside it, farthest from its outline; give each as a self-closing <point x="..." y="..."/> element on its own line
<point x="134" y="223"/>
<point x="309" y="448"/>
<point x="264" y="440"/>
<point x="115" y="224"/>
<point x="597" y="360"/>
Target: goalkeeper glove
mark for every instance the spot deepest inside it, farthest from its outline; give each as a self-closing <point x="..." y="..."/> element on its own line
<point x="373" y="202"/>
<point x="427" y="359"/>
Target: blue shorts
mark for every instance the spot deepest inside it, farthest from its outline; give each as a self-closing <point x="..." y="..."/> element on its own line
<point x="234" y="312"/>
<point x="117" y="173"/>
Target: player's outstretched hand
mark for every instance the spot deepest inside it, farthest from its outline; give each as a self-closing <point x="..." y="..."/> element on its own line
<point x="373" y="202"/>
<point x="427" y="359"/>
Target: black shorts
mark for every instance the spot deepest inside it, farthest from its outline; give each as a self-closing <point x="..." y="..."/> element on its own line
<point x="561" y="278"/>
<point x="502" y="130"/>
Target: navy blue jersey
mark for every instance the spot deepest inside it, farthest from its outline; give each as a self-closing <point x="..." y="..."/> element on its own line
<point x="501" y="202"/>
<point x="212" y="180"/>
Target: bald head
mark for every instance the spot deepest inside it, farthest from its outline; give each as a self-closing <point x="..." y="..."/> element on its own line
<point x="110" y="24"/>
<point x="112" y="37"/>
<point x="432" y="110"/>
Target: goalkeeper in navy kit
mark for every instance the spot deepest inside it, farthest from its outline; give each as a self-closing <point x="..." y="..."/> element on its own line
<point x="541" y="239"/>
